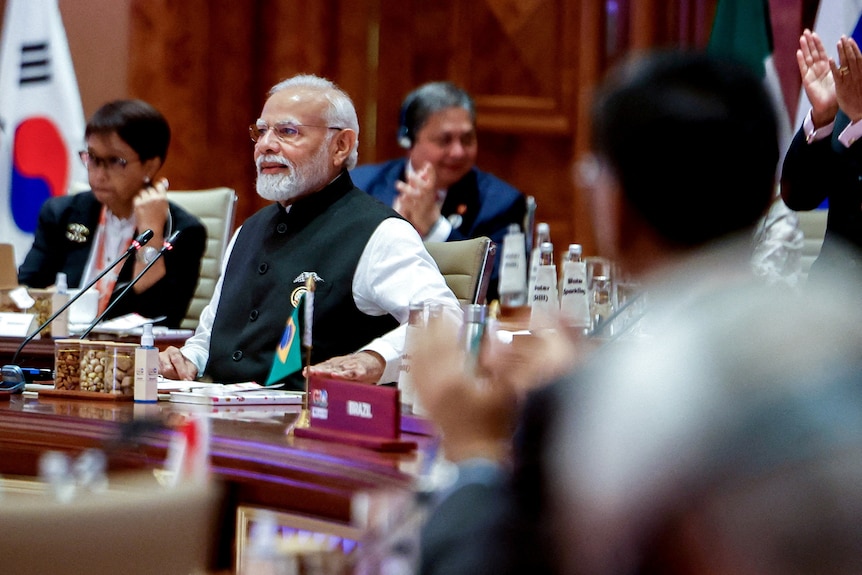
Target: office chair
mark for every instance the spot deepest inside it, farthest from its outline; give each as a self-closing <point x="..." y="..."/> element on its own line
<point x="466" y="265"/>
<point x="216" y="208"/>
<point x="137" y="527"/>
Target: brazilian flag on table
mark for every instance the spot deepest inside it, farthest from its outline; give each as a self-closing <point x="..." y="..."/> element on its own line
<point x="288" y="355"/>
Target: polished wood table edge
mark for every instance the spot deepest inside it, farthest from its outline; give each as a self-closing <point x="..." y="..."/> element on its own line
<point x="264" y="464"/>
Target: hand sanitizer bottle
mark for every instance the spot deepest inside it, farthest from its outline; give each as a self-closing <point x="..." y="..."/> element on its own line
<point x="147" y="368"/>
<point x="60" y="325"/>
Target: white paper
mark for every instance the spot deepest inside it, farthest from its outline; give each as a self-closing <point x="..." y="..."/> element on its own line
<point x="17" y="324"/>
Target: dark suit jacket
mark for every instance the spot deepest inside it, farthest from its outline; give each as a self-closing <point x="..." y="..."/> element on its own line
<point x="501" y="527"/>
<point x="64" y="238"/>
<point x="823" y="170"/>
<point x="486" y="203"/>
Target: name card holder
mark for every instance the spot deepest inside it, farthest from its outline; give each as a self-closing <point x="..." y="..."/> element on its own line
<point x="355" y="413"/>
<point x="17" y="324"/>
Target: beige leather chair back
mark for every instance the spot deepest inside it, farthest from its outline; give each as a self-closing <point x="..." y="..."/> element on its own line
<point x="216" y="208"/>
<point x="466" y="265"/>
<point x="137" y="527"/>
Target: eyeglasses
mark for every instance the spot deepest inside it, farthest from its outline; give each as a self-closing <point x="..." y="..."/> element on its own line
<point x="111" y="163"/>
<point x="284" y="131"/>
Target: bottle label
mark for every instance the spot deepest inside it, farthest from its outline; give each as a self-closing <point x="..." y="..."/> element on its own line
<point x="544" y="302"/>
<point x="513" y="268"/>
<point x="574" y="299"/>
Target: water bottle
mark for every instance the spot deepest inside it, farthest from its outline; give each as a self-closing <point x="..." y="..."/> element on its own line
<point x="545" y="303"/>
<point x="60" y="326"/>
<point x="574" y="298"/>
<point x="513" y="269"/>
<point x="543" y="234"/>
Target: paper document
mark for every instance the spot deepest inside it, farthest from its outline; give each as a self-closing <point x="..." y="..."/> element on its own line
<point x="248" y="393"/>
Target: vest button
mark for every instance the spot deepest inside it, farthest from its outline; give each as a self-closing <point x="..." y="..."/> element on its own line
<point x="261" y="269"/>
<point x="281" y="228"/>
<point x="237" y="355"/>
<point x="253" y="315"/>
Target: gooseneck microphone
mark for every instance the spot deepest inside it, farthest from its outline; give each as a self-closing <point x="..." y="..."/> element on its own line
<point x="13" y="376"/>
<point x="168" y="245"/>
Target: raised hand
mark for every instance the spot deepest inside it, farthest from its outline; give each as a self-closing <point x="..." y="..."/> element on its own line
<point x="815" y="68"/>
<point x="151" y="206"/>
<point x="417" y="199"/>
<point x="848" y="78"/>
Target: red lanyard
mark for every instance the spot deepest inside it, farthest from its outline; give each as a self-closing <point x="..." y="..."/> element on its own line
<point x="109" y="280"/>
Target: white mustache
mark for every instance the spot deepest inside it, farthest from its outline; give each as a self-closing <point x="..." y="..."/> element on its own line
<point x="272" y="159"/>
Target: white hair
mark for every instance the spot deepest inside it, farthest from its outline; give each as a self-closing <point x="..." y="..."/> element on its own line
<point x="341" y="113"/>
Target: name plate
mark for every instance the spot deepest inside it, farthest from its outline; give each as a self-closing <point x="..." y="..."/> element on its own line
<point x="16" y="324"/>
<point x="357" y="413"/>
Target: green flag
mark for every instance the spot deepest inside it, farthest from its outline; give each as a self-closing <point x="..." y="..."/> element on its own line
<point x="742" y="29"/>
<point x="288" y="357"/>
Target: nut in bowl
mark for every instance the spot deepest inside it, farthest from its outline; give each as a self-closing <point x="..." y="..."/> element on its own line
<point x="67" y="364"/>
<point x="120" y="368"/>
<point x="94" y="360"/>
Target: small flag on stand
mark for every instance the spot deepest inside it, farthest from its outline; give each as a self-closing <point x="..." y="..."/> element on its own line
<point x="288" y="358"/>
<point x="41" y="118"/>
<point x="309" y="311"/>
<point x="308" y="320"/>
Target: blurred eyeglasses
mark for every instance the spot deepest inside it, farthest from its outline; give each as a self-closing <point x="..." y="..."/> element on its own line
<point x="111" y="163"/>
<point x="283" y="131"/>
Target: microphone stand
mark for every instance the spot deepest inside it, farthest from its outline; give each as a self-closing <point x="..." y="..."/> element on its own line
<point x="13" y="376"/>
<point x="168" y="245"/>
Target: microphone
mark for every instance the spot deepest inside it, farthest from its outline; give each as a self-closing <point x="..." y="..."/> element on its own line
<point x="13" y="376"/>
<point x="168" y="245"/>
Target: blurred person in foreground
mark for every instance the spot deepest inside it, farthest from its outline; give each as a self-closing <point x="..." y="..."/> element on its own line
<point x="437" y="185"/>
<point x="823" y="161"/>
<point x="644" y="175"/>
<point x="82" y="234"/>
<point x="368" y="263"/>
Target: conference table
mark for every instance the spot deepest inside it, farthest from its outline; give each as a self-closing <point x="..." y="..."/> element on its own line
<point x="311" y="483"/>
<point x="39" y="352"/>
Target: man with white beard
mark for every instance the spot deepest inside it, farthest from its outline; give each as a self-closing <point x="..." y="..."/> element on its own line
<point x="368" y="263"/>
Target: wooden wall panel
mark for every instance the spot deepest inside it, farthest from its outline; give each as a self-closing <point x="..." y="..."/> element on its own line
<point x="517" y="60"/>
<point x="191" y="60"/>
<point x="530" y="64"/>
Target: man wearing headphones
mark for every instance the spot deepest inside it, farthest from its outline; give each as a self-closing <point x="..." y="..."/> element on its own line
<point x="437" y="186"/>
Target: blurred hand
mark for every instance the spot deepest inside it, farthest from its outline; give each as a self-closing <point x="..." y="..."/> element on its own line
<point x="476" y="412"/>
<point x="364" y="366"/>
<point x="818" y="80"/>
<point x="174" y="365"/>
<point x="151" y="207"/>
<point x="848" y="78"/>
<point x="417" y="199"/>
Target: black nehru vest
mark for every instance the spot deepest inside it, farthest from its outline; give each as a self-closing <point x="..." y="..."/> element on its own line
<point x="324" y="233"/>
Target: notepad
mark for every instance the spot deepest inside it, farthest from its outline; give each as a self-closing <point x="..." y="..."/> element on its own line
<point x="238" y="394"/>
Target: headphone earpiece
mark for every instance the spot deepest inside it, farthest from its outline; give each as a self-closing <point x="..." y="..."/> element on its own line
<point x="403" y="139"/>
<point x="405" y="121"/>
